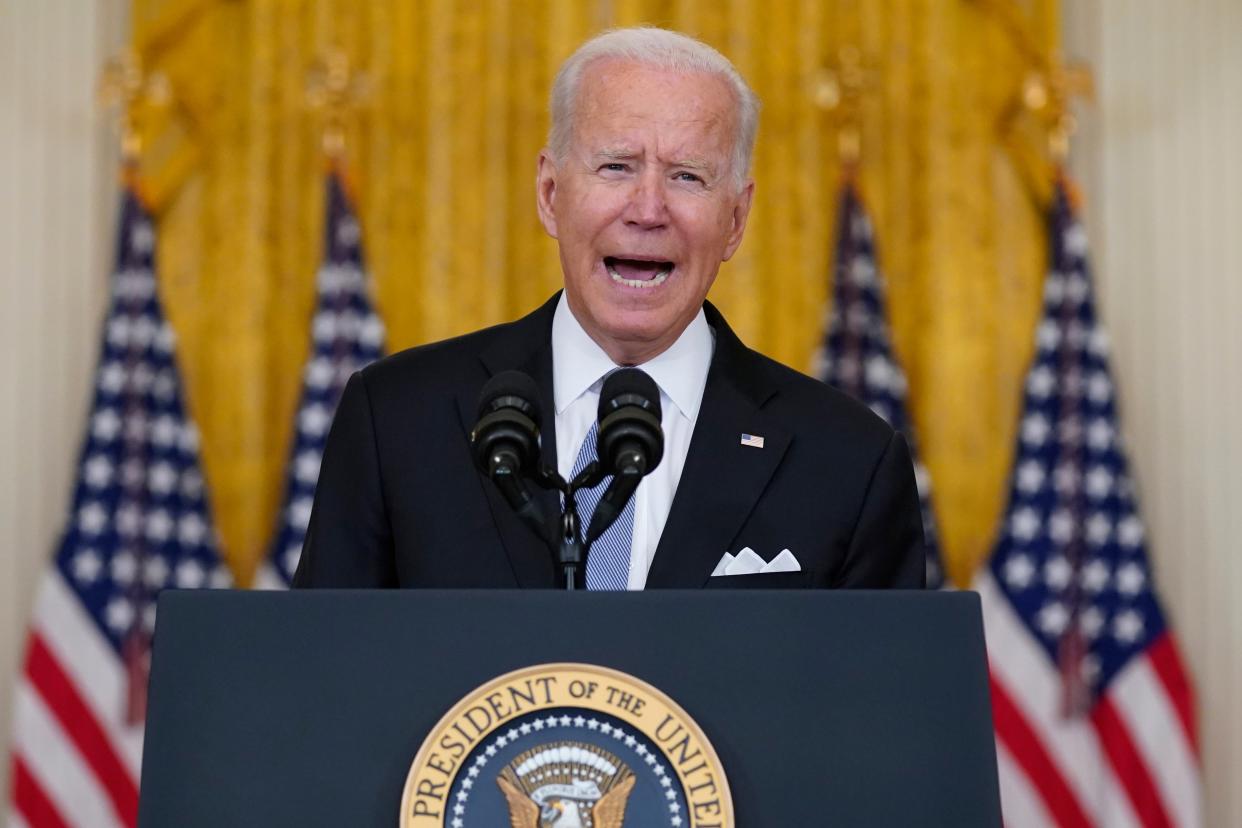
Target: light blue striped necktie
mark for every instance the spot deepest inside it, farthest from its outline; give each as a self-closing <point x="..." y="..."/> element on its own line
<point x="608" y="565"/>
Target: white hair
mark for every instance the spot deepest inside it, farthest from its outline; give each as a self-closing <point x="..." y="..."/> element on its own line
<point x="663" y="49"/>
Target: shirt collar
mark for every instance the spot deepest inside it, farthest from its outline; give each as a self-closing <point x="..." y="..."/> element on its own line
<point x="578" y="363"/>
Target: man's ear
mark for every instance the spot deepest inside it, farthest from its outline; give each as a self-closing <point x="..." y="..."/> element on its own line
<point x="741" y="211"/>
<point x="545" y="191"/>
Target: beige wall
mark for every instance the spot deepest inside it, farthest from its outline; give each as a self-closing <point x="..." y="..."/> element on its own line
<point x="57" y="194"/>
<point x="1159" y="160"/>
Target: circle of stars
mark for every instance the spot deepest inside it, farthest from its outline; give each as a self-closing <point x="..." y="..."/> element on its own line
<point x="549" y="724"/>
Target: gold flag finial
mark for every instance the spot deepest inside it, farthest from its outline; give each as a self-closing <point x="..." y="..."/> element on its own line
<point x="334" y="89"/>
<point x="838" y="89"/>
<point x="125" y="86"/>
<point x="1049" y="94"/>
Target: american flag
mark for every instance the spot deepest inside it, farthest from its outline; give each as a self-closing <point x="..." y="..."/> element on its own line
<point x="857" y="354"/>
<point x="139" y="523"/>
<point x="1093" y="711"/>
<point x="346" y="335"/>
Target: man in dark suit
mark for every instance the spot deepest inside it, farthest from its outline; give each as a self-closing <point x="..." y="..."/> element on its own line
<point x="766" y="472"/>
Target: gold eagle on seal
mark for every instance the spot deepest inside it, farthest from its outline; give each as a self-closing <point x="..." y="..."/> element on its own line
<point x="566" y="785"/>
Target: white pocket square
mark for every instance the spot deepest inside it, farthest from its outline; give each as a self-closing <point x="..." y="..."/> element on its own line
<point x="747" y="562"/>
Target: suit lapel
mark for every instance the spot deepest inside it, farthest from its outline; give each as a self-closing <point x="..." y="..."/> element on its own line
<point x="722" y="479"/>
<point x="525" y="346"/>
<point x="720" y="483"/>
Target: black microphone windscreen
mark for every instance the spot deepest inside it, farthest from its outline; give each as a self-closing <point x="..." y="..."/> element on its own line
<point x="510" y="389"/>
<point x="629" y="386"/>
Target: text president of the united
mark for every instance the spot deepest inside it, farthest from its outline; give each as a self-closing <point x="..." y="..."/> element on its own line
<point x="645" y="184"/>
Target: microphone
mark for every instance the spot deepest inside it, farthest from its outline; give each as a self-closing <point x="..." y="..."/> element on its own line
<point x="631" y="441"/>
<point x="505" y="442"/>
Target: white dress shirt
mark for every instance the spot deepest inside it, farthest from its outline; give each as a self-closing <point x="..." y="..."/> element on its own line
<point x="578" y="369"/>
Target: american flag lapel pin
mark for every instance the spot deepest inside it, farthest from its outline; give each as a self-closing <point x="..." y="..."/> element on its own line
<point x="752" y="440"/>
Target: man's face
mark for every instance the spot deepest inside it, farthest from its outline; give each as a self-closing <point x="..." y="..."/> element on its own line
<point x="644" y="204"/>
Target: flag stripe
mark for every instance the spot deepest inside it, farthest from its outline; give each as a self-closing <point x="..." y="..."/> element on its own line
<point x="1029" y="752"/>
<point x="267" y="578"/>
<point x="1146" y="712"/>
<point x="1130" y="768"/>
<point x="90" y="662"/>
<point x="1168" y="667"/>
<point x="32" y="805"/>
<point x="140" y="523"/>
<point x="1115" y="810"/>
<point x="78" y="723"/>
<point x="1018" y="663"/>
<point x="56" y="765"/>
<point x="1078" y="643"/>
<point x="1023" y="805"/>
<point x="1057" y="772"/>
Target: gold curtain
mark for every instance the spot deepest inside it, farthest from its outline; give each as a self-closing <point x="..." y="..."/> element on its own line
<point x="441" y="153"/>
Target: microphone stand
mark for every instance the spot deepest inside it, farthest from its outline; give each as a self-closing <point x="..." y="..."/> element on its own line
<point x="569" y="552"/>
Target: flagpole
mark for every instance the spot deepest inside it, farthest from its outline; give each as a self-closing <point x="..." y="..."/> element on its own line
<point x="838" y="89"/>
<point x="134" y="95"/>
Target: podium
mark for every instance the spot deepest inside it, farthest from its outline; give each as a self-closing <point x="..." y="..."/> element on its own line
<point x="824" y="708"/>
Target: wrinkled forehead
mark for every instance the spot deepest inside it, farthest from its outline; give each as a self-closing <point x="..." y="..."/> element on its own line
<point x="618" y="97"/>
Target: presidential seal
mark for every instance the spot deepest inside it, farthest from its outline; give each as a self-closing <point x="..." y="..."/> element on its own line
<point x="570" y="746"/>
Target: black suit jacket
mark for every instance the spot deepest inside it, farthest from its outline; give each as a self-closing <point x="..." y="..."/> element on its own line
<point x="400" y="504"/>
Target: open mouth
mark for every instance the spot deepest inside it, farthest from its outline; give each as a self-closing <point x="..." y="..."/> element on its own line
<point x="638" y="273"/>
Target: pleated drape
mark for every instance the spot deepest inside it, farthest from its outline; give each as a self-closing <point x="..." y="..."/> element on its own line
<point x="442" y="149"/>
